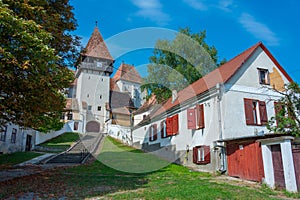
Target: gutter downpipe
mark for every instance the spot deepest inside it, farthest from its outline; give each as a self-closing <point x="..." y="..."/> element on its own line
<point x="223" y="152"/>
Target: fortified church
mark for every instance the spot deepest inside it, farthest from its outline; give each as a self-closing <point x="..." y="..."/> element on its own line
<point x="95" y="98"/>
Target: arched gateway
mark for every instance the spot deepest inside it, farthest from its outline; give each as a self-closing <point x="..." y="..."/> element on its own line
<point x="93" y="126"/>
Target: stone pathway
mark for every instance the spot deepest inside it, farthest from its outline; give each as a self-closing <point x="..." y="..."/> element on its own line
<point x="80" y="151"/>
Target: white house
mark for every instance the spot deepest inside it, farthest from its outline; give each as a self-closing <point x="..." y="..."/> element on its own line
<point x="222" y="116"/>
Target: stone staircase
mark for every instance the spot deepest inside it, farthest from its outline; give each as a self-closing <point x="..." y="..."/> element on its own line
<point x="80" y="151"/>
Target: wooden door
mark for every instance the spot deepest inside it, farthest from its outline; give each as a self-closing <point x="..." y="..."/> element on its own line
<point x="278" y="166"/>
<point x="296" y="156"/>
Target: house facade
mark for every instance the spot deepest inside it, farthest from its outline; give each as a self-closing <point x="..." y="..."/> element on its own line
<point x="220" y="116"/>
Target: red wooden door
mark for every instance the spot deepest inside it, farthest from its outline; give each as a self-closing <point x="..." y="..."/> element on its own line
<point x="245" y="160"/>
<point x="296" y="156"/>
<point x="278" y="166"/>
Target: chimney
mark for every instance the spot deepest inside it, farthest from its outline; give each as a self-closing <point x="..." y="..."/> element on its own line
<point x="174" y="95"/>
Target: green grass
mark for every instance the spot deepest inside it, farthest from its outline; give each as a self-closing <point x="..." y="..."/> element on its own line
<point x="62" y="142"/>
<point x="16" y="158"/>
<point x="97" y="180"/>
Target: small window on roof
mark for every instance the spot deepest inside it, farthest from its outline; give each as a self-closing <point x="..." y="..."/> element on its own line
<point x="264" y="76"/>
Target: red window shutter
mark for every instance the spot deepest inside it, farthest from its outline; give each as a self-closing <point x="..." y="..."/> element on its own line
<point x="206" y="154"/>
<point x="191" y="117"/>
<point x="175" y="124"/>
<point x="200" y="116"/>
<point x="195" y="155"/>
<point x="169" y="123"/>
<point x="154" y="126"/>
<point x="248" y="105"/>
<point x="263" y="112"/>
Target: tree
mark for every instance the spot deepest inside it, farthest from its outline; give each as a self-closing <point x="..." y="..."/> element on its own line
<point x="178" y="63"/>
<point x="35" y="51"/>
<point x="287" y="110"/>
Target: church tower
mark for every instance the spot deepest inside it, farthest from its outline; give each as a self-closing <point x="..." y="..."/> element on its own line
<point x="93" y="82"/>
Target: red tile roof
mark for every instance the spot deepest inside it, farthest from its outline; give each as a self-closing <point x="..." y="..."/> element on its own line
<point x="128" y="73"/>
<point x="147" y="105"/>
<point x="96" y="46"/>
<point x="114" y="86"/>
<point x="122" y="110"/>
<point x="219" y="75"/>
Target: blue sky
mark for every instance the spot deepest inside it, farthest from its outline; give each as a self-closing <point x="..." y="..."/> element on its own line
<point x="232" y="26"/>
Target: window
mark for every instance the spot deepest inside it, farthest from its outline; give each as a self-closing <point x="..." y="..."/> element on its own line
<point x="201" y="155"/>
<point x="263" y="76"/>
<point x="76" y="126"/>
<point x="255" y="112"/>
<point x="99" y="108"/>
<point x="172" y="125"/>
<point x="3" y="133"/>
<point x="70" y="116"/>
<point x="89" y="107"/>
<point x="153" y="132"/>
<point x="163" y="129"/>
<point x="195" y="117"/>
<point x="62" y="116"/>
<point x="13" y="135"/>
<point x="100" y="96"/>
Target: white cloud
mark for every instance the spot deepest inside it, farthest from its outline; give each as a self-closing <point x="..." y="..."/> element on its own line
<point x="196" y="4"/>
<point x="152" y="10"/>
<point x="258" y="29"/>
<point x="225" y="5"/>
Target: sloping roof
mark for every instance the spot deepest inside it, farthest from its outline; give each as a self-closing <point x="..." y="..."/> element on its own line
<point x="219" y="75"/>
<point x="122" y="110"/>
<point x="72" y="104"/>
<point x="120" y="99"/>
<point x="128" y="73"/>
<point x="113" y="86"/>
<point x="147" y="105"/>
<point x="96" y="46"/>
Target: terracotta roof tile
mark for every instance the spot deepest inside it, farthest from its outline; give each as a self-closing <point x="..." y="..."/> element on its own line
<point x="122" y="110"/>
<point x="128" y="73"/>
<point x="147" y="105"/>
<point x="114" y="86"/>
<point x="96" y="46"/>
<point x="219" y="75"/>
<point x="72" y="104"/>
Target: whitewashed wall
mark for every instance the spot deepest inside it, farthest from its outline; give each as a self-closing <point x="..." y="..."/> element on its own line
<point x="119" y="132"/>
<point x="42" y="137"/>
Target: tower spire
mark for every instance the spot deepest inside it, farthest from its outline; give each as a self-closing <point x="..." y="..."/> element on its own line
<point x="96" y="23"/>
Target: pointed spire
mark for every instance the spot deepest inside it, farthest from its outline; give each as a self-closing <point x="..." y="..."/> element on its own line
<point x="96" y="46"/>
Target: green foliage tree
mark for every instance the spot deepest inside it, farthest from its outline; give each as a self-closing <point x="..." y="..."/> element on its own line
<point x="36" y="48"/>
<point x="287" y="118"/>
<point x="178" y="63"/>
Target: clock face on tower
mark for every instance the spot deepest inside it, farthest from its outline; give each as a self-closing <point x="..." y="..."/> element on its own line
<point x="99" y="64"/>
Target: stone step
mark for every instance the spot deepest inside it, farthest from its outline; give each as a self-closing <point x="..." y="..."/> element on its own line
<point x="79" y="151"/>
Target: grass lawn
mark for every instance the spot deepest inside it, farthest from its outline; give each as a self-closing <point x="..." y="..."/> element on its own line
<point x="8" y="160"/>
<point x="98" y="181"/>
<point x="62" y="142"/>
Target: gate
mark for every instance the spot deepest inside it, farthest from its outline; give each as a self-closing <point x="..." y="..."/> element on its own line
<point x="278" y="166"/>
<point x="296" y="156"/>
<point x="93" y="126"/>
